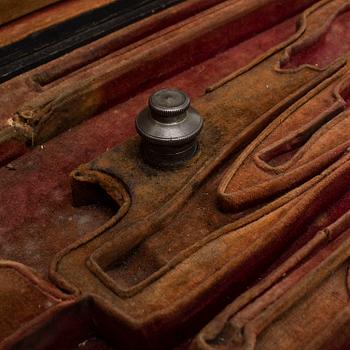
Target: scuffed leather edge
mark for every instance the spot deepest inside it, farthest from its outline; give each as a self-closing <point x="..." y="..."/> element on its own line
<point x="301" y="28"/>
<point x="234" y="201"/>
<point x="117" y="191"/>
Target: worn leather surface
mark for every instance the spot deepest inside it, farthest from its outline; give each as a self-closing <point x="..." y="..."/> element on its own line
<point x="309" y="288"/>
<point x="22" y="193"/>
<point x="94" y="82"/>
<point x="10" y="10"/>
<point x="38" y="19"/>
<point x="302" y="302"/>
<point x="148" y="256"/>
<point x="139" y="268"/>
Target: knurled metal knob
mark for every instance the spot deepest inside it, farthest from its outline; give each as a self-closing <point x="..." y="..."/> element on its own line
<point x="169" y="127"/>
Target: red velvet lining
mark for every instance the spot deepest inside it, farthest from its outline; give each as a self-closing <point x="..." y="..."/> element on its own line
<point x="71" y="327"/>
<point x="36" y="213"/>
<point x="10" y="151"/>
<point x="36" y="200"/>
<point x="190" y="53"/>
<point x="333" y="44"/>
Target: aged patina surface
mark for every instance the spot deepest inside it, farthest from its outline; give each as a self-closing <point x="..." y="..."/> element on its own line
<point x="255" y="224"/>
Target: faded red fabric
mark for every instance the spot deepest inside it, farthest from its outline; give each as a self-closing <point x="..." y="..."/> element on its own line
<point x="153" y="256"/>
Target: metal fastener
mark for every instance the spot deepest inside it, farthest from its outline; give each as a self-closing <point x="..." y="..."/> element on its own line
<point x="169" y="127"/>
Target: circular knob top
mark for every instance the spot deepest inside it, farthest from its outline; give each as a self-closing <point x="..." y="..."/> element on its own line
<point x="169" y="120"/>
<point x="169" y="103"/>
